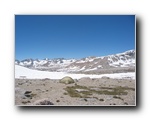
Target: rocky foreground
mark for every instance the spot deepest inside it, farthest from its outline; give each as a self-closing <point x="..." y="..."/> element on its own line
<point x="84" y="92"/>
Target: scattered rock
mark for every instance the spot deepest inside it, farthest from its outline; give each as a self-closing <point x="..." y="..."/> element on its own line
<point x="88" y="92"/>
<point x="25" y="102"/>
<point x="20" y="83"/>
<point x="117" y="97"/>
<point x="89" y="99"/>
<point x="43" y="102"/>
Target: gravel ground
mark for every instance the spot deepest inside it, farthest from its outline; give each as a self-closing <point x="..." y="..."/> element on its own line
<point x="84" y="92"/>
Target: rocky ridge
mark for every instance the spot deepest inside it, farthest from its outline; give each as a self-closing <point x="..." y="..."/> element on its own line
<point x="121" y="62"/>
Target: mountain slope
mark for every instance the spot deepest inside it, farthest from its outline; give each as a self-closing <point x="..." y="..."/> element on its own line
<point x="121" y="62"/>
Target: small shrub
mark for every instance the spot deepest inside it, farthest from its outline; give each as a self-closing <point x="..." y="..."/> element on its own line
<point x="65" y="93"/>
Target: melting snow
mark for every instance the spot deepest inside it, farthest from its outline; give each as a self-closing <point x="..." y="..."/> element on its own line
<point x="82" y="68"/>
<point x="91" y="69"/>
<point x="100" y="66"/>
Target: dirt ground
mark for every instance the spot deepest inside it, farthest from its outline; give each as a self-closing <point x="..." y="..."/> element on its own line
<point x="84" y="92"/>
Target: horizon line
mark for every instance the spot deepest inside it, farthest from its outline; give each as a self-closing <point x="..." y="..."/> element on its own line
<point x="72" y="57"/>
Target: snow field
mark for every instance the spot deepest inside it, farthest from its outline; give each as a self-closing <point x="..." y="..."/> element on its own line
<point x="35" y="74"/>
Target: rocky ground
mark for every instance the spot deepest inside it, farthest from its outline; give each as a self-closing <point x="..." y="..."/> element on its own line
<point x="84" y="92"/>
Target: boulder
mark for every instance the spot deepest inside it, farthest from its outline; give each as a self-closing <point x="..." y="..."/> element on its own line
<point x="44" y="101"/>
<point x="66" y="80"/>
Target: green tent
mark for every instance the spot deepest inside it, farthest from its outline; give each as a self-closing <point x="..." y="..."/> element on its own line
<point x="66" y="80"/>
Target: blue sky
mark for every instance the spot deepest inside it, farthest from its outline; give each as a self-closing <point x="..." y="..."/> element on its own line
<point x="72" y="36"/>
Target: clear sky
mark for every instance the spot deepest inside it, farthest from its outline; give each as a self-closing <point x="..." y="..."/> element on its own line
<point x="72" y="36"/>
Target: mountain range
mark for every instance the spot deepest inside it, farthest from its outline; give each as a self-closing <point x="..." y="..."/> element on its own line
<point x="116" y="63"/>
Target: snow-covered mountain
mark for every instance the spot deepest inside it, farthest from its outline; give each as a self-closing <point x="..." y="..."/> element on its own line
<point x="45" y="64"/>
<point x="121" y="62"/>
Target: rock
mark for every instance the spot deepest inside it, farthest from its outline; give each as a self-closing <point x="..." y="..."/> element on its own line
<point x="101" y="99"/>
<point x="125" y="103"/>
<point x="20" y="83"/>
<point x="27" y="92"/>
<point x="25" y="102"/>
<point x="104" y="77"/>
<point x="43" y="102"/>
<point x="94" y="100"/>
<point x="67" y="80"/>
<point x="27" y="95"/>
<point x="57" y="100"/>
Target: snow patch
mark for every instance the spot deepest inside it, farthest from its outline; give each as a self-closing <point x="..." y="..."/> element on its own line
<point x="99" y="66"/>
<point x="91" y="69"/>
